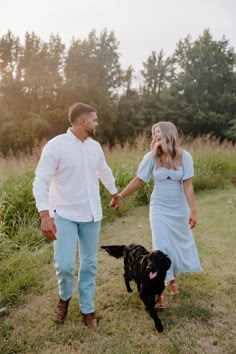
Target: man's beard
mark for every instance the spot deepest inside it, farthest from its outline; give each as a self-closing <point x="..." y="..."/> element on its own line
<point x="91" y="133"/>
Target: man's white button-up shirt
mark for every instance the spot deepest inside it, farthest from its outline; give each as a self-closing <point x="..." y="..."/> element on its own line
<point x="67" y="178"/>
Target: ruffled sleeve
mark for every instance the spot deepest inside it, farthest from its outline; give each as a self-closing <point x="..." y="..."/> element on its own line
<point x="146" y="167"/>
<point x="187" y="164"/>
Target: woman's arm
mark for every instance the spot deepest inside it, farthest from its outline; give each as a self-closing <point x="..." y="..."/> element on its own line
<point x="189" y="193"/>
<point x="129" y="189"/>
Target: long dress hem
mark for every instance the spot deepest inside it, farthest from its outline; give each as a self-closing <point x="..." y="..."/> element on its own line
<point x="169" y="213"/>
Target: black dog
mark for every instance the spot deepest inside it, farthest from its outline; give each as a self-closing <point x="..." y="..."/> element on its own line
<point x="147" y="269"/>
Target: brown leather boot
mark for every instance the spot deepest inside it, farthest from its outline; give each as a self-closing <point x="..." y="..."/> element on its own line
<point x="90" y="320"/>
<point x="61" y="311"/>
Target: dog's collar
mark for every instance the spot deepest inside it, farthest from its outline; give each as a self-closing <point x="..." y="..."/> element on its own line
<point x="142" y="259"/>
<point x="151" y="275"/>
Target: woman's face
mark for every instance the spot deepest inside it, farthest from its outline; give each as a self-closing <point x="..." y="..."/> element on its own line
<point x="157" y="136"/>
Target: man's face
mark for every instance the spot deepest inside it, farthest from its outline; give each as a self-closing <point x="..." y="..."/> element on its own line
<point x="91" y="123"/>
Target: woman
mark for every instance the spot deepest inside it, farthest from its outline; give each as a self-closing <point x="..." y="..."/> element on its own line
<point x="172" y="207"/>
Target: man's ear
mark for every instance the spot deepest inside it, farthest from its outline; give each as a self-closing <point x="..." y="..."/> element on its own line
<point x="82" y="121"/>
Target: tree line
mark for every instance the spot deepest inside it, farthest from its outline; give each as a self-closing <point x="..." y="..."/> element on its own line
<point x="195" y="88"/>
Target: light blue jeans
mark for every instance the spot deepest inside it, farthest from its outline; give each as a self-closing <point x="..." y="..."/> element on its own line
<point x="68" y="234"/>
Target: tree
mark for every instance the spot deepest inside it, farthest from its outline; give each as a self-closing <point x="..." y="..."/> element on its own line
<point x="206" y="80"/>
<point x="156" y="72"/>
<point x="95" y="61"/>
<point x="41" y="68"/>
<point x="93" y="74"/>
<point x="10" y="49"/>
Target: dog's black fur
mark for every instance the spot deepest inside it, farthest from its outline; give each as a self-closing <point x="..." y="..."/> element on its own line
<point x="141" y="265"/>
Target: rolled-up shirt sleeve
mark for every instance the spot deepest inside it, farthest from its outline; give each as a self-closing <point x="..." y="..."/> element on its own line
<point x="105" y="174"/>
<point x="43" y="175"/>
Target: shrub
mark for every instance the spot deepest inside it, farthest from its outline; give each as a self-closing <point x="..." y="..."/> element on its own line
<point x="214" y="166"/>
<point x="209" y="171"/>
<point x="17" y="206"/>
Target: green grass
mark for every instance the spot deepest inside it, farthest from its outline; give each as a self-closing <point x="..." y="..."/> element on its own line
<point x="202" y="319"/>
<point x="22" y="273"/>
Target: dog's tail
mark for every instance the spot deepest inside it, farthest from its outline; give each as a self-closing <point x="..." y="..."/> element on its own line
<point x="115" y="250"/>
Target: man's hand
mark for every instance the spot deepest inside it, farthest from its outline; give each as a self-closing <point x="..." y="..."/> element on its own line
<point x="115" y="203"/>
<point x="48" y="226"/>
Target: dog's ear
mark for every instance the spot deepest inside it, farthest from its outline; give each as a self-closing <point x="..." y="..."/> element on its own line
<point x="167" y="262"/>
<point x="164" y="260"/>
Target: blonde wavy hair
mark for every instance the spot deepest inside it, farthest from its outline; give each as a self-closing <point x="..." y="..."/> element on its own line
<point x="169" y="144"/>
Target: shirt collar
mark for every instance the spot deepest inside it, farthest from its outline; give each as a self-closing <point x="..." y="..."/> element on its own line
<point x="72" y="136"/>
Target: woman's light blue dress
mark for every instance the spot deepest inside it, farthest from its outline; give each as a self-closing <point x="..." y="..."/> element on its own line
<point x="169" y="214"/>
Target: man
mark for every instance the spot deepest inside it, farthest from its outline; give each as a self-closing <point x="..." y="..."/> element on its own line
<point x="66" y="190"/>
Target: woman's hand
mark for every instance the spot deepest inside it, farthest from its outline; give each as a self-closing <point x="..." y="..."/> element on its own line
<point x="192" y="219"/>
<point x="189" y="193"/>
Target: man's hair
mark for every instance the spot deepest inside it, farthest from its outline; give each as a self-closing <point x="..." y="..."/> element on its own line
<point x="78" y="109"/>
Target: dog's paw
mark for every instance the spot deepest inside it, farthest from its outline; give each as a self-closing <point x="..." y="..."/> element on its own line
<point x="159" y="327"/>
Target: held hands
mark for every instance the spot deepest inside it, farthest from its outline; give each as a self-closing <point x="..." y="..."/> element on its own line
<point x="48" y="227"/>
<point x="115" y="203"/>
<point x="192" y="219"/>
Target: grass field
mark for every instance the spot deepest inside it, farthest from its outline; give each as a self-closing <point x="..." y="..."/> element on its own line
<point x="201" y="320"/>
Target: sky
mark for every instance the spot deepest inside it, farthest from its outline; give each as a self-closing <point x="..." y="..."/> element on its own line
<point x="140" y="26"/>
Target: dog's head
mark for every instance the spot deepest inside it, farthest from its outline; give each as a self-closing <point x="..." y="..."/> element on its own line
<point x="158" y="263"/>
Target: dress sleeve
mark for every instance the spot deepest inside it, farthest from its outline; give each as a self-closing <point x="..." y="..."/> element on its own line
<point x="146" y="167"/>
<point x="187" y="164"/>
